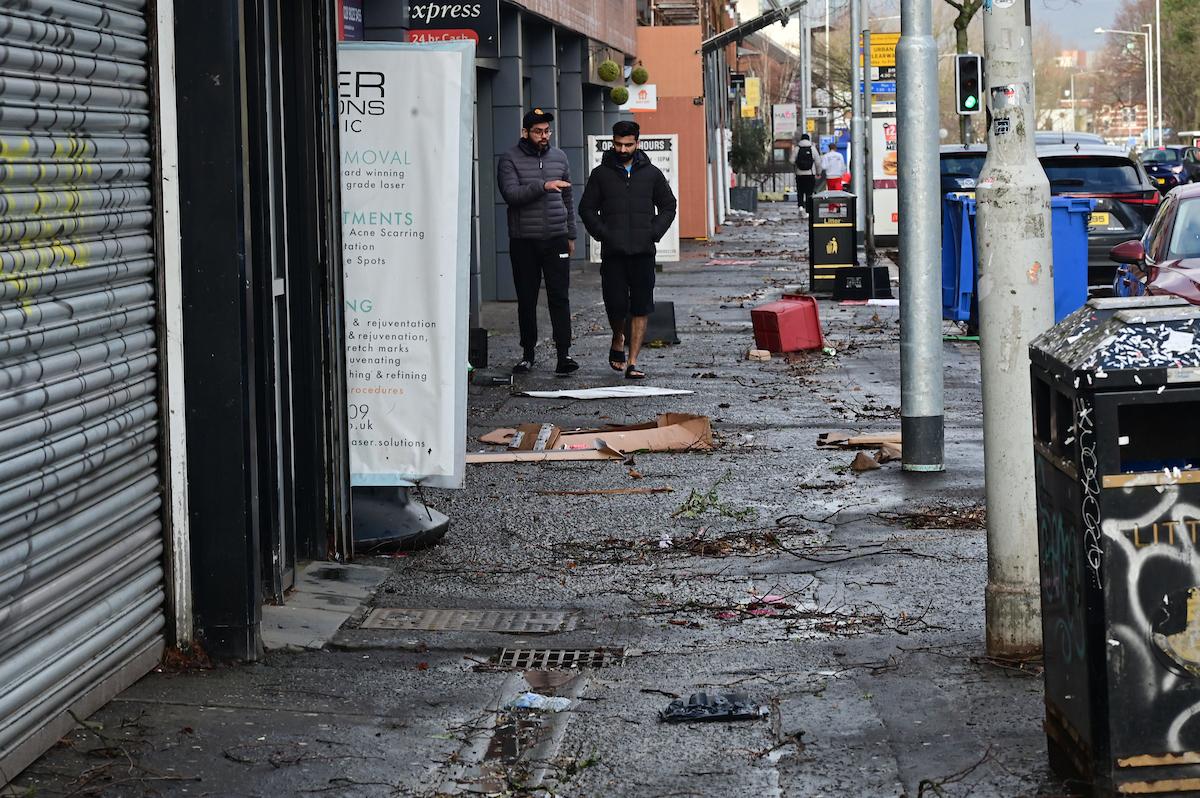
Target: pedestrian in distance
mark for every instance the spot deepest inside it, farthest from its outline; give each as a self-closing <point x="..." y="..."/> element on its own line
<point x="627" y="206"/>
<point x="808" y="169"/>
<point x="834" y="167"/>
<point x="535" y="181"/>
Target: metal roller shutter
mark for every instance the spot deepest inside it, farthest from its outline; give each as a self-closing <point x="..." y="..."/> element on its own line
<point x="81" y="535"/>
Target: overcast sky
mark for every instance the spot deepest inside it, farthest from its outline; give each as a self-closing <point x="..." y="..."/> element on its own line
<point x="1073" y="22"/>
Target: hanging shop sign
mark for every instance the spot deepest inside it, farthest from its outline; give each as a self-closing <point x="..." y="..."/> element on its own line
<point x="642" y="99"/>
<point x="783" y="117"/>
<point x="448" y="20"/>
<point x="754" y="91"/>
<point x="406" y="114"/>
<point x="663" y="150"/>
<point x="350" y="20"/>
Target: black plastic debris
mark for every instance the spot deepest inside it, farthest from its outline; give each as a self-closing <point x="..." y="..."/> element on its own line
<point x="702" y="707"/>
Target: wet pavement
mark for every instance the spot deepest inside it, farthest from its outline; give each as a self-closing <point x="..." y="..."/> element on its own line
<point x="848" y="606"/>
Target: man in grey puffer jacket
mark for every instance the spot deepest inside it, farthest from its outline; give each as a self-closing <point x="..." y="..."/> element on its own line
<point x="535" y="181"/>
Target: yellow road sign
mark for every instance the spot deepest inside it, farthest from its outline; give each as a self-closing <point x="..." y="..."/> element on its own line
<point x="883" y="49"/>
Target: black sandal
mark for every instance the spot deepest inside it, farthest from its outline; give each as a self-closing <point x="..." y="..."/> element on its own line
<point x="616" y="360"/>
<point x="632" y="372"/>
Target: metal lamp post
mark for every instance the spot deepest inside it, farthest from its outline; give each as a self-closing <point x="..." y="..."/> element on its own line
<point x="1147" y="40"/>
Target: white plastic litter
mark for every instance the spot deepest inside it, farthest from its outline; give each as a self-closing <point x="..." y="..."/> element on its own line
<point x="615" y="392"/>
<point x="541" y="702"/>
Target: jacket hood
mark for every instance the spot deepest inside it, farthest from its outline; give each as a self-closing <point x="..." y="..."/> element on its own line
<point x="640" y="159"/>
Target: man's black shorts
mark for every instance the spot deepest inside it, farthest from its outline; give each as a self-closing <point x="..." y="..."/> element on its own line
<point x="627" y="282"/>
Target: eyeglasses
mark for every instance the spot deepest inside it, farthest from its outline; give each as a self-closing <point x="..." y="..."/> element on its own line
<point x="539" y="132"/>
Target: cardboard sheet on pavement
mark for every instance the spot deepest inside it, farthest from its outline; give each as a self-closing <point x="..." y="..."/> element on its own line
<point x="612" y="392"/>
<point x="850" y="440"/>
<point x="671" y="432"/>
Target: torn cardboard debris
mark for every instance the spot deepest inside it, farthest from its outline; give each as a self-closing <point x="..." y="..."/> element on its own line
<point x="761" y="355"/>
<point x="889" y="452"/>
<point x="498" y="437"/>
<point x="672" y="432"/>
<point x="864" y="462"/>
<point x="535" y="438"/>
<point x="849" y="440"/>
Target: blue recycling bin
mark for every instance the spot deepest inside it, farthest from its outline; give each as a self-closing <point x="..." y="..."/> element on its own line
<point x="1069" y="226"/>
<point x="958" y="256"/>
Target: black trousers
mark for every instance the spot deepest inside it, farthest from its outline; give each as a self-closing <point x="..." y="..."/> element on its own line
<point x="804" y="190"/>
<point x="533" y="260"/>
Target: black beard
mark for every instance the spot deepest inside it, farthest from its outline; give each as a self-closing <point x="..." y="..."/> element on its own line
<point x="624" y="157"/>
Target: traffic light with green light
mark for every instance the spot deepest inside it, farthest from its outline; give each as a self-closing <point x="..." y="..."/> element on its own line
<point x="968" y="84"/>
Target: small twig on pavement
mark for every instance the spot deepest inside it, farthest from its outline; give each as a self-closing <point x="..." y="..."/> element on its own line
<point x="935" y="785"/>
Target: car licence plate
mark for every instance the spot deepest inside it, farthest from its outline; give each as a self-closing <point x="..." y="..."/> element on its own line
<point x="1099" y="220"/>
<point x="1162" y="181"/>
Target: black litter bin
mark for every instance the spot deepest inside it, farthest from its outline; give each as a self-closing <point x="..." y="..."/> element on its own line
<point x="832" y="239"/>
<point x="1116" y="396"/>
<point x="744" y="198"/>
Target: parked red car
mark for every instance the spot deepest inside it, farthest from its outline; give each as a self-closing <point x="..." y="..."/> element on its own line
<point x="1166" y="260"/>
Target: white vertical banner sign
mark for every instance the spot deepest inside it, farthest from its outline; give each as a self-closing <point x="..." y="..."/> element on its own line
<point x="885" y="176"/>
<point x="783" y="117"/>
<point x="406" y="117"/>
<point x="663" y="151"/>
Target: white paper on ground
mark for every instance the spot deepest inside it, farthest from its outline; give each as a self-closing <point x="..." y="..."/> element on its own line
<point x="615" y="392"/>
<point x="887" y="303"/>
<point x="1179" y="341"/>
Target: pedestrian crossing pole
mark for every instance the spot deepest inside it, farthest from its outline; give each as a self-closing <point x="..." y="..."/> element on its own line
<point x="1016" y="304"/>
<point x="921" y="386"/>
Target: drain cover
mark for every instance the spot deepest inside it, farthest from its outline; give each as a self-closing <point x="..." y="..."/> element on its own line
<point x="436" y="620"/>
<point x="559" y="658"/>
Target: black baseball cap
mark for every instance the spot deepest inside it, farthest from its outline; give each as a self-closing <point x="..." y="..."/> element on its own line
<point x="535" y="116"/>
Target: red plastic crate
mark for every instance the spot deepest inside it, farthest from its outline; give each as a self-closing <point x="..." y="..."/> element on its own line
<point x="789" y="325"/>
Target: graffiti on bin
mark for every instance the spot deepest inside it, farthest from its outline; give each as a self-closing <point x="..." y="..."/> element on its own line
<point x="1154" y="590"/>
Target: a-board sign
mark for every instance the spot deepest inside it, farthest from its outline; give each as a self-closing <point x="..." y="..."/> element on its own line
<point x="406" y="119"/>
<point x="663" y="150"/>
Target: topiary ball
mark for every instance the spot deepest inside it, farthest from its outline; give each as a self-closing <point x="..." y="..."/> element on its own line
<point x="620" y="95"/>
<point x="609" y="70"/>
<point x="640" y="75"/>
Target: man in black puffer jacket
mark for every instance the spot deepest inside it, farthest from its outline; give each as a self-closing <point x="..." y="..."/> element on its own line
<point x="628" y="207"/>
<point x="535" y="181"/>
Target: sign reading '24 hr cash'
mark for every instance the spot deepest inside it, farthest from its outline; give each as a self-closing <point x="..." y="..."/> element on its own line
<point x="448" y="20"/>
<point x="406" y="117"/>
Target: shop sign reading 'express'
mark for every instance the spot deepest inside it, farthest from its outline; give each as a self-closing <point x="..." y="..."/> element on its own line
<point x="447" y="20"/>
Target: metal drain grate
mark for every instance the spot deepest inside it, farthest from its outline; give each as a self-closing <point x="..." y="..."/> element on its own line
<point x="439" y="620"/>
<point x="559" y="658"/>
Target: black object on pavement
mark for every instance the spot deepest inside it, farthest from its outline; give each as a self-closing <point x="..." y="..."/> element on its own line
<point x="862" y="282"/>
<point x="705" y="707"/>
<point x="389" y="519"/>
<point x="660" y="325"/>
